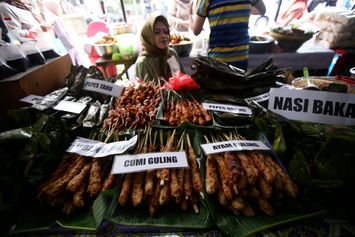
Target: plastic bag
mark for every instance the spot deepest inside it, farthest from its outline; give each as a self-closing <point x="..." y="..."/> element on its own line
<point x="34" y="55"/>
<point x="14" y="57"/>
<point x="48" y="47"/>
<point x="181" y="81"/>
<point x="6" y="70"/>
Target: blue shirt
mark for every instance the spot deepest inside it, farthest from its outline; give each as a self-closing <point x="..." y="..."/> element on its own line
<point x="229" y="37"/>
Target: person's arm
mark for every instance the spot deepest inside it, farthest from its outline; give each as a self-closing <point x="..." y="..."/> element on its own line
<point x="11" y="21"/>
<point x="197" y="25"/>
<point x="173" y="20"/>
<point x="258" y="8"/>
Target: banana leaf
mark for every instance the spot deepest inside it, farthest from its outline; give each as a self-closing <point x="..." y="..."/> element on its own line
<point x="169" y="217"/>
<point x="336" y="159"/>
<point x="16" y="134"/>
<point x="231" y="225"/>
<point x="38" y="217"/>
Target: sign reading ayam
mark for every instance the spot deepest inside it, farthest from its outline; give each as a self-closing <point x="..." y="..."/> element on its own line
<point x="314" y="106"/>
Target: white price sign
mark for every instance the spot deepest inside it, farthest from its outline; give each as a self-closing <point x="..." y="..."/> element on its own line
<point x="227" y="108"/>
<point x="103" y="87"/>
<point x="148" y="161"/>
<point x="233" y="145"/>
<point x="314" y="106"/>
<point x="92" y="148"/>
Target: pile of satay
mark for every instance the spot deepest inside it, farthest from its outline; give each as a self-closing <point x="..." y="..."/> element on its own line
<point x="77" y="181"/>
<point x="246" y="180"/>
<point x="179" y="110"/>
<point x="157" y="188"/>
<point x="136" y="108"/>
<point x="241" y="180"/>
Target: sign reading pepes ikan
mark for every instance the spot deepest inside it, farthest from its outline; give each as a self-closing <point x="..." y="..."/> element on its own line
<point x="314" y="106"/>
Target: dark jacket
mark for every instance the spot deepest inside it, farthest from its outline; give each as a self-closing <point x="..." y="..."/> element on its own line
<point x="4" y="31"/>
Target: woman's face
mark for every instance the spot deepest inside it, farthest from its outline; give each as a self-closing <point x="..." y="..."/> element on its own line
<point x="161" y="35"/>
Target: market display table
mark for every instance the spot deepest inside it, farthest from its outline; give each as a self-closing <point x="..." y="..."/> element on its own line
<point x="319" y="61"/>
<point x="37" y="80"/>
<point x="104" y="62"/>
<point x="316" y="61"/>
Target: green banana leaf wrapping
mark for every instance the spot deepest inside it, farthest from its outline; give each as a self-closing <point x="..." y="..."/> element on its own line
<point x="319" y="157"/>
<point x="217" y="77"/>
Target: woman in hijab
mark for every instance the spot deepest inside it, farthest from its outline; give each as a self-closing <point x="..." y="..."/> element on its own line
<point x="157" y="59"/>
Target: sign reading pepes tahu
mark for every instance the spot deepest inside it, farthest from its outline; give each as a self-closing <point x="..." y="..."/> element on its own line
<point x="103" y="87"/>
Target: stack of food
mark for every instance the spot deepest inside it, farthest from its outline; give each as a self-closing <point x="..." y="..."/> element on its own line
<point x="181" y="43"/>
<point x="290" y="37"/>
<point x="336" y="28"/>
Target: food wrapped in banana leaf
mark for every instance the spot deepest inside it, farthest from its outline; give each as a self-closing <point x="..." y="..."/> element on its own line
<point x="217" y="77"/>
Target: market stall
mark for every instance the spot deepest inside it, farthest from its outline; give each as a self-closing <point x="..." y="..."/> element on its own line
<point x="221" y="160"/>
<point x="215" y="152"/>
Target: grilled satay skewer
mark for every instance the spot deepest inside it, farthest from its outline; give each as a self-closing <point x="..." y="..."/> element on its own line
<point x="184" y="204"/>
<point x="69" y="207"/>
<point x="265" y="206"/>
<point x="237" y="203"/>
<point x="194" y="201"/>
<point x="165" y="195"/>
<point x="164" y="173"/>
<point x="126" y="189"/>
<point x="150" y="174"/>
<point x="248" y="166"/>
<point x="180" y="179"/>
<point x="78" y="197"/>
<point x="78" y="180"/>
<point x="66" y="163"/>
<point x="265" y="188"/>
<point x="154" y="200"/>
<point x="234" y="167"/>
<point x="260" y="163"/>
<point x="137" y="189"/>
<point x="290" y="187"/>
<point x="205" y="113"/>
<point x="211" y="179"/>
<point x="95" y="182"/>
<point x="187" y="184"/>
<point x="138" y="179"/>
<point x="174" y="184"/>
<point x="195" y="172"/>
<point x="225" y="177"/>
<point x="192" y="109"/>
<point x="60" y="184"/>
<point x="247" y="210"/>
<point x="222" y="197"/>
<point x="110" y="182"/>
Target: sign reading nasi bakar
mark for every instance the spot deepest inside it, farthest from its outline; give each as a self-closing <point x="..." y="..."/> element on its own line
<point x="314" y="106"/>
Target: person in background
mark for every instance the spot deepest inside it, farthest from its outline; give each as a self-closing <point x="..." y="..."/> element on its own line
<point x="157" y="59"/>
<point x="21" y="19"/>
<point x="295" y="10"/>
<point x="228" y="20"/>
<point x="180" y="14"/>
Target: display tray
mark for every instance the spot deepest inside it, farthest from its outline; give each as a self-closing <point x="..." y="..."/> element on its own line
<point x="39" y="217"/>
